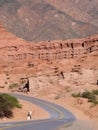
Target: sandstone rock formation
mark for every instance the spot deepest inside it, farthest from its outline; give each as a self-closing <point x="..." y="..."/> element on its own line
<point x="20" y="55"/>
<point x="55" y="69"/>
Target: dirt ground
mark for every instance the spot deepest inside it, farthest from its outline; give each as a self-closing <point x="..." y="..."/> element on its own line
<point x="69" y="103"/>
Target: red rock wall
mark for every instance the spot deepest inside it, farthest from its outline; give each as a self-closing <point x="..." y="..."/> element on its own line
<point x="52" y="50"/>
<point x="13" y="49"/>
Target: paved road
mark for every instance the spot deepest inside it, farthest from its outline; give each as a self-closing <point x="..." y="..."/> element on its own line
<point x="58" y="117"/>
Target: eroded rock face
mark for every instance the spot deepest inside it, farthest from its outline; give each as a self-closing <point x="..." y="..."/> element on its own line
<point x="48" y="51"/>
<point x="16" y="53"/>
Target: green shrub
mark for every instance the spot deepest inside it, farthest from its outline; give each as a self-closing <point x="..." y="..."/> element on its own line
<point x="91" y="96"/>
<point x="95" y="92"/>
<point x="14" y="85"/>
<point x="88" y="95"/>
<point x="76" y="94"/>
<point x="7" y="103"/>
<point x="95" y="102"/>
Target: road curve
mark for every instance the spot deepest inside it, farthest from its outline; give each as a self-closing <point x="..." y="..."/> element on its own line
<point x="58" y="117"/>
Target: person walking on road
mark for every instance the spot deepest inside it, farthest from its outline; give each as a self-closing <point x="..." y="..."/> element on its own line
<point x="29" y="115"/>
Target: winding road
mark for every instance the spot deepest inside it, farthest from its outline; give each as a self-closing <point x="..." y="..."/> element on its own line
<point x="58" y="117"/>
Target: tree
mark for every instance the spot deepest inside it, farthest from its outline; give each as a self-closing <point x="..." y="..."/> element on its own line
<point x="7" y="104"/>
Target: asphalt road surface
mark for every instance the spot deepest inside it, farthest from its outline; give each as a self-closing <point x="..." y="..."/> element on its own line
<point x="58" y="117"/>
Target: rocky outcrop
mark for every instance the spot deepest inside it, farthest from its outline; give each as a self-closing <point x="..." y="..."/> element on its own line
<point x="14" y="50"/>
<point x="55" y="50"/>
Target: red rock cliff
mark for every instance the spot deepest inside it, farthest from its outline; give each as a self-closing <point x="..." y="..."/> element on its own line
<point x="15" y="52"/>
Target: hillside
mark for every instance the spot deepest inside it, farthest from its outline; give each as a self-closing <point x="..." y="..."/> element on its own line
<point x="55" y="69"/>
<point x="42" y="20"/>
<point x="16" y="53"/>
<point x="34" y="44"/>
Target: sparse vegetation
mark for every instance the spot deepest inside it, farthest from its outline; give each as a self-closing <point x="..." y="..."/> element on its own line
<point x="14" y="85"/>
<point x="95" y="102"/>
<point x="91" y="96"/>
<point x="95" y="92"/>
<point x="7" y="103"/>
<point x="88" y="95"/>
<point x="76" y="94"/>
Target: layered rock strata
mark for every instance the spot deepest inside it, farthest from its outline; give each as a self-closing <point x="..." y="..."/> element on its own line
<point x="15" y="52"/>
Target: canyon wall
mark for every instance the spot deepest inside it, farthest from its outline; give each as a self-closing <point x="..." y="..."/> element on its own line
<point x="48" y="51"/>
<point x="15" y="50"/>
